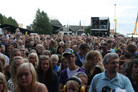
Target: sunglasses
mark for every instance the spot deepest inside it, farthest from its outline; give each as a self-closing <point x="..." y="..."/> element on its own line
<point x="96" y="58"/>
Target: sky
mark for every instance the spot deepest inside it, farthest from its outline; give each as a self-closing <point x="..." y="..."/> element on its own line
<point x="71" y="12"/>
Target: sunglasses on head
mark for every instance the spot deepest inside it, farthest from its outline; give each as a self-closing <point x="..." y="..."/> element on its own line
<point x="96" y="58"/>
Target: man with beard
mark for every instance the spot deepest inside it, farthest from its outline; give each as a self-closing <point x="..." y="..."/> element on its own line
<point x="110" y="77"/>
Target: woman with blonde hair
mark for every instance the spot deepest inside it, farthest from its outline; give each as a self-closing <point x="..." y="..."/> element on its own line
<point x="3" y="83"/>
<point x="16" y="62"/>
<point x="33" y="58"/>
<point x="2" y="59"/>
<point x="93" y="64"/>
<point x="15" y="52"/>
<point x="27" y="79"/>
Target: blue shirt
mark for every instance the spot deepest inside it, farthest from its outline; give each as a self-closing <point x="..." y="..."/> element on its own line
<point x="55" y="68"/>
<point x="100" y="80"/>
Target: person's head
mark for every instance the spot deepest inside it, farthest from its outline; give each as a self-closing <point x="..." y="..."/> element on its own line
<point x="70" y="56"/>
<point x="132" y="48"/>
<point x="47" y="53"/>
<point x="64" y="63"/>
<point x="15" y="52"/>
<point x="132" y="69"/>
<point x="96" y="46"/>
<point x="60" y="49"/>
<point x="23" y="50"/>
<point x="75" y="48"/>
<point x="2" y="60"/>
<point x="74" y="84"/>
<point x="45" y="64"/>
<point x="119" y="52"/>
<point x="52" y="43"/>
<point x="92" y="59"/>
<point x="109" y="43"/>
<point x="26" y="77"/>
<point x="111" y="62"/>
<point x="40" y="48"/>
<point x="8" y="48"/>
<point x="83" y="77"/>
<point x="16" y="62"/>
<point x="3" y="83"/>
<point x="84" y="48"/>
<point x="104" y="47"/>
<point x="4" y="40"/>
<point x="33" y="58"/>
<point x="54" y="59"/>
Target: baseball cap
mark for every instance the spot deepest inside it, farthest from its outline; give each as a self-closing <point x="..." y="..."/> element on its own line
<point x="68" y="52"/>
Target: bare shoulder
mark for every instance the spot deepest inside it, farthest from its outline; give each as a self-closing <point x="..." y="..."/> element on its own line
<point x="42" y="88"/>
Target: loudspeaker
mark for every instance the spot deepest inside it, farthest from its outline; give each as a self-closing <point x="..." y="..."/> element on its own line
<point x="81" y="88"/>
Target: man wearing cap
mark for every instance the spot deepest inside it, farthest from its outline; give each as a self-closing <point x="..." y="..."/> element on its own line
<point x="71" y="70"/>
<point x="104" y="49"/>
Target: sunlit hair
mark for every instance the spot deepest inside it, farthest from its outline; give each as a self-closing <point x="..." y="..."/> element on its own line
<point x="81" y="74"/>
<point x="1" y="66"/>
<point x="12" y="68"/>
<point x="54" y="56"/>
<point x="89" y="59"/>
<point x="3" y="60"/>
<point x="74" y="83"/>
<point x="12" y="53"/>
<point x="47" y="52"/>
<point x="2" y="77"/>
<point x="36" y="57"/>
<point x="31" y="68"/>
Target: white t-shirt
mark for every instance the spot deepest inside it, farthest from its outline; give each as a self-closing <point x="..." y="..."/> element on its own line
<point x="71" y="73"/>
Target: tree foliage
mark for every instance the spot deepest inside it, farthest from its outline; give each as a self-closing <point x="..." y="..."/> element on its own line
<point x="41" y="23"/>
<point x="12" y="21"/>
<point x="87" y="29"/>
<point x="9" y="20"/>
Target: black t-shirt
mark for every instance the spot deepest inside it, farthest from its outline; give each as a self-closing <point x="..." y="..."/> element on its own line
<point x="135" y="86"/>
<point x="96" y="71"/>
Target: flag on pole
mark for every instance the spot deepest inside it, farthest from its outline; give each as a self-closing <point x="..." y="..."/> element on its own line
<point x="136" y="25"/>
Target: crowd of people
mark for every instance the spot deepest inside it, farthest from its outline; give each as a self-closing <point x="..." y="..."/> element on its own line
<point x="67" y="63"/>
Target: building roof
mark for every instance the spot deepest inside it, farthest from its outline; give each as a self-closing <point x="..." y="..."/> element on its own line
<point x="12" y="29"/>
<point x="77" y="28"/>
<point x="56" y="23"/>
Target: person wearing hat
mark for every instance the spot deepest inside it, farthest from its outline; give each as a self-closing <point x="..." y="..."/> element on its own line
<point x="71" y="70"/>
<point x="104" y="49"/>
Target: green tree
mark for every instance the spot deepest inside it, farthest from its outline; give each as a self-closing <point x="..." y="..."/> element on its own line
<point x="1" y="19"/>
<point x="87" y="29"/>
<point x="5" y="20"/>
<point x="12" y="21"/>
<point x="41" y="23"/>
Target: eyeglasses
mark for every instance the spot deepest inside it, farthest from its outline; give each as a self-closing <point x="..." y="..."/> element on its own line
<point x="96" y="58"/>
